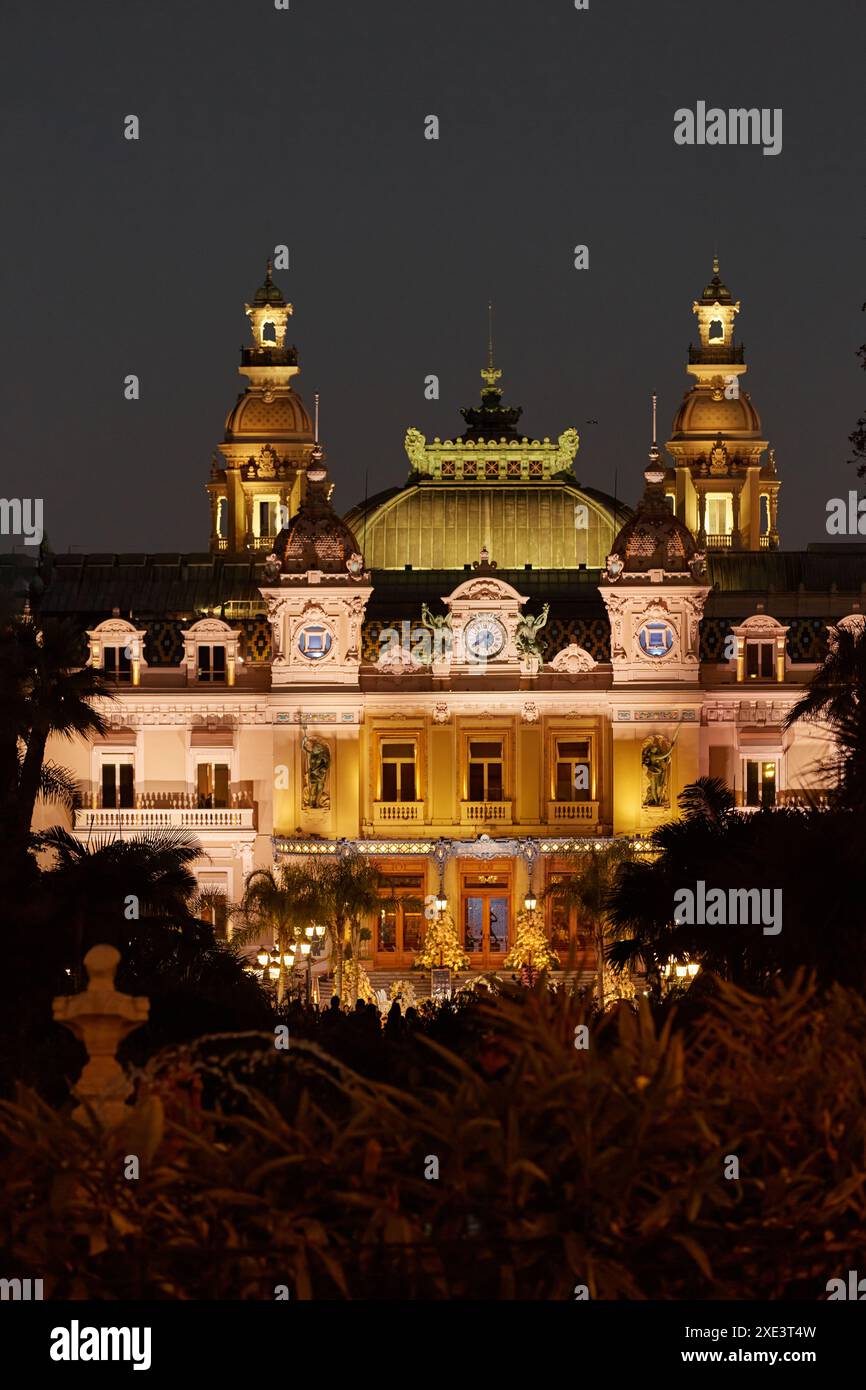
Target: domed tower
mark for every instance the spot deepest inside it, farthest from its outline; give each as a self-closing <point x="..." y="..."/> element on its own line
<point x="316" y="590"/>
<point x="654" y="589"/>
<point x="268" y="438"/>
<point x="723" y="488"/>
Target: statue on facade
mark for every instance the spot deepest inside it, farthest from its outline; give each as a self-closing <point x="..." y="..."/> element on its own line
<point x="656" y="760"/>
<point x="317" y="770"/>
<point x="434" y="621"/>
<point x="526" y="639"/>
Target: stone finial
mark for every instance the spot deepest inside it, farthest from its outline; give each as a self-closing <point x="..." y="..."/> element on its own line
<point x="101" y="1017"/>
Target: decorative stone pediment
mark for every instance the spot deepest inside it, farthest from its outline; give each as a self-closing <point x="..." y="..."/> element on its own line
<point x="487" y="630"/>
<point x="573" y="661"/>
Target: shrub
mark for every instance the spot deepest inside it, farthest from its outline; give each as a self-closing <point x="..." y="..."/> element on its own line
<point x="558" y="1165"/>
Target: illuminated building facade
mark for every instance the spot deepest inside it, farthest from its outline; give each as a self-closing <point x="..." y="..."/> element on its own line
<point x="470" y="676"/>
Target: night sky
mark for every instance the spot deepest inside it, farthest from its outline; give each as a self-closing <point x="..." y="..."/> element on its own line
<point x="306" y="127"/>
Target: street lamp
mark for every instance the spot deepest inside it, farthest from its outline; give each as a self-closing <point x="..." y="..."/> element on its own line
<point x="441" y="903"/>
<point x="306" y="948"/>
<point x="530" y="902"/>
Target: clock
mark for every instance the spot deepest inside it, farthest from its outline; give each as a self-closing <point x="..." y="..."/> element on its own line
<point x="656" y="639"/>
<point x="314" y="641"/>
<point x="484" y="637"/>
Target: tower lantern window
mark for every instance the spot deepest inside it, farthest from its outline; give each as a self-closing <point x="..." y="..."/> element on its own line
<point x="269" y="332"/>
<point x="716" y="332"/>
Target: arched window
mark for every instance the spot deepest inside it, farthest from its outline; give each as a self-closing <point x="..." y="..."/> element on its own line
<point x="716" y="332"/>
<point x="269" y="332"/>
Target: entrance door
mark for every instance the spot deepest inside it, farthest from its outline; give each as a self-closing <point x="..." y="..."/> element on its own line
<point x="486" y="918"/>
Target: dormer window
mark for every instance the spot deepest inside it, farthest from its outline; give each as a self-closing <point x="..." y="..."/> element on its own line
<point x="716" y="332"/>
<point x="117" y="650"/>
<point x="761" y="655"/>
<point x="211" y="663"/>
<point x="211" y="652"/>
<point x="117" y="664"/>
<point x="761" y="661"/>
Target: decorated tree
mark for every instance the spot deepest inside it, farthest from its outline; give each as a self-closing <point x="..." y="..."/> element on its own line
<point x="531" y="946"/>
<point x="442" y="948"/>
<point x="356" y="983"/>
<point x="404" y="992"/>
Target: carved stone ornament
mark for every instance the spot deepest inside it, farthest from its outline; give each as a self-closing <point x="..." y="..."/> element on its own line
<point x="573" y="661"/>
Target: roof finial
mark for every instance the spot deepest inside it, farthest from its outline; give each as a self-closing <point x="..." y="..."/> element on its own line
<point x="715" y="259"/>
<point x="490" y="373"/>
<point x="269" y="265"/>
<point x="654" y="455"/>
<point x="316" y="416"/>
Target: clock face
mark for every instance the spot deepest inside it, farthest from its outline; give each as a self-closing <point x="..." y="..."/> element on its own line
<point x="314" y="641"/>
<point x="656" y="639"/>
<point x="485" y="636"/>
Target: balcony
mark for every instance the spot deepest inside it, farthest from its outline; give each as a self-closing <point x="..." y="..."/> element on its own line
<point x="485" y="813"/>
<point x="583" y="813"/>
<point x="265" y="543"/>
<point x="399" y="812"/>
<point x="800" y="797"/>
<point x="719" y="542"/>
<point x="170" y="818"/>
<point x="166" y="811"/>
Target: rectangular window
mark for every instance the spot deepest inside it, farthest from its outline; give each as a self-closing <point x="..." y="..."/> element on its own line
<point x="212" y="785"/>
<point x="118" y="784"/>
<point x="211" y="663"/>
<point x="760" y="661"/>
<point x="116" y="665"/>
<point x="398" y="772"/>
<point x="485" y="770"/>
<point x="719" y="515"/>
<point x="573" y="770"/>
<point x="760" y="783"/>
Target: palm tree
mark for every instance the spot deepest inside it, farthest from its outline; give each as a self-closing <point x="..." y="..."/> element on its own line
<point x="587" y="887"/>
<point x="45" y="690"/>
<point x="836" y="696"/>
<point x="278" y="903"/>
<point x="106" y="883"/>
<point x="348" y="890"/>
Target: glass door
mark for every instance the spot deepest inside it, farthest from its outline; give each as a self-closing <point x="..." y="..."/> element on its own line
<point x="486" y="919"/>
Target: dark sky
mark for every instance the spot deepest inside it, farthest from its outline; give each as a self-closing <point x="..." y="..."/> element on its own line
<point x="260" y="127"/>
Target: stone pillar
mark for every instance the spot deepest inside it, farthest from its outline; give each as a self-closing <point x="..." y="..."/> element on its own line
<point x="702" y="518"/>
<point x="101" y="1017"/>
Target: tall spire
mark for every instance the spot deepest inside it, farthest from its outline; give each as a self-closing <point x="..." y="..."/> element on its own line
<point x="490" y="374"/>
<point x="655" y="472"/>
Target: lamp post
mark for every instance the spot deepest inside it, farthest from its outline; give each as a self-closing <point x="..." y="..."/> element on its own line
<point x="530" y="902"/>
<point x="441" y="906"/>
<point x="306" y="950"/>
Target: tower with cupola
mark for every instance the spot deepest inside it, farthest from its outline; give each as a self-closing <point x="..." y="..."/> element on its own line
<point x="269" y="437"/>
<point x="724" y="484"/>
